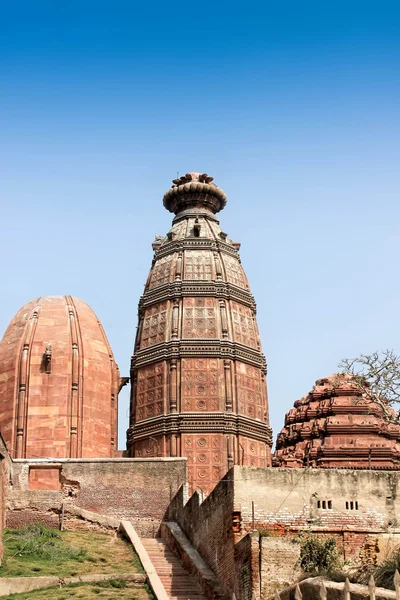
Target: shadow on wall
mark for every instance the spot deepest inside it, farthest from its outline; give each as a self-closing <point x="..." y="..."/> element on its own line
<point x="213" y="527"/>
<point x="359" y="508"/>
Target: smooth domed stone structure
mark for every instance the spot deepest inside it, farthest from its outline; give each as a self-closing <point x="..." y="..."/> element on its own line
<point x="198" y="376"/>
<point x="58" y="382"/>
<point x="337" y="425"/>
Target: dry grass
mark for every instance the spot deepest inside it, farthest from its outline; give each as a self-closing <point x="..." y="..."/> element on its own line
<point x="95" y="553"/>
<point x="89" y="591"/>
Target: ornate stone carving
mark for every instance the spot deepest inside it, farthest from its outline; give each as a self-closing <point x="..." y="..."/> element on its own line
<point x="161" y="272"/>
<point x="198" y="264"/>
<point x="251" y="399"/>
<point x="215" y="388"/>
<point x="244" y="325"/>
<point x="154" y="325"/>
<point x="234" y="271"/>
<point x="200" y="385"/>
<point x="46" y="359"/>
<point x="335" y="426"/>
<point x="150" y="391"/>
<point x="199" y="318"/>
<point x="192" y="190"/>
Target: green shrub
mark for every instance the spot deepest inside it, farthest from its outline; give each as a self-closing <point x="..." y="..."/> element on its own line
<point x="318" y="555"/>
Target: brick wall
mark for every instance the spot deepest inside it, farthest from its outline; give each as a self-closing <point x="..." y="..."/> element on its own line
<point x="136" y="489"/>
<point x="5" y="468"/>
<point x="318" y="498"/>
<point x="208" y="525"/>
<point x="278" y="563"/>
<point x="349" y="505"/>
<point x="282" y="502"/>
<point x="213" y="527"/>
<point x="247" y="556"/>
<point x="357" y="508"/>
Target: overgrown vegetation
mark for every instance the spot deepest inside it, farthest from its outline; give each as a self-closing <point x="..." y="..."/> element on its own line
<point x="318" y="555"/>
<point x="36" y="550"/>
<point x="42" y="543"/>
<point x="383" y="573"/>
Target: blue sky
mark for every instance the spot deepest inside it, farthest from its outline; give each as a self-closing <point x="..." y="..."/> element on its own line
<point x="292" y="107"/>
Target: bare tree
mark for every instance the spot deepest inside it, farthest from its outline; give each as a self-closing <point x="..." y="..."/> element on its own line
<point x="377" y="376"/>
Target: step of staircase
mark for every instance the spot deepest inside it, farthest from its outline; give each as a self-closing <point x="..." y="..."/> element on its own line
<point x="179" y="584"/>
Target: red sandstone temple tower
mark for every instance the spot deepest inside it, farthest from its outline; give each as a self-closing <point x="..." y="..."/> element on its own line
<point x="337" y="425"/>
<point x="58" y="382"/>
<point x="198" y="375"/>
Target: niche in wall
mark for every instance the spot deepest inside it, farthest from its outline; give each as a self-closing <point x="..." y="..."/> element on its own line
<point x="43" y="477"/>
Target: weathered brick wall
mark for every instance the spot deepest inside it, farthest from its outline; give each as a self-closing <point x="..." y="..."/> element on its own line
<point x="212" y="527"/>
<point x="281" y="501"/>
<point x="244" y="566"/>
<point x="354" y="507"/>
<point x="285" y="502"/>
<point x="5" y="468"/>
<point x="247" y="556"/>
<point x="326" y="499"/>
<point x="136" y="489"/>
<point x="279" y="563"/>
<point x="208" y="525"/>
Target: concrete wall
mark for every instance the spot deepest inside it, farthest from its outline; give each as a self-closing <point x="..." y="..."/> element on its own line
<point x="139" y="490"/>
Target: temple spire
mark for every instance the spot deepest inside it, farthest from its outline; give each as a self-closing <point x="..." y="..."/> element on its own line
<point x="198" y="374"/>
<point x="194" y="190"/>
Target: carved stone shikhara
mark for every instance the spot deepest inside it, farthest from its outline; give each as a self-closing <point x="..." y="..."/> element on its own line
<point x="198" y="376"/>
<point x="337" y="425"/>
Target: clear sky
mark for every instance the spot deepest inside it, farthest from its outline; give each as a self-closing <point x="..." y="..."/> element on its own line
<point x="292" y="106"/>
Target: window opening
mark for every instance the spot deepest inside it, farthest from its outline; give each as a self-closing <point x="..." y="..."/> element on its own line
<point x="324" y="504"/>
<point x="351" y="504"/>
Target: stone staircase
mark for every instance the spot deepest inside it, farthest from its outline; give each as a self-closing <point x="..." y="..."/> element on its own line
<point x="179" y="584"/>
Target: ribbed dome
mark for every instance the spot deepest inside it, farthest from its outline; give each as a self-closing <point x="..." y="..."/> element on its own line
<point x="58" y="382"/>
<point x="337" y="425"/>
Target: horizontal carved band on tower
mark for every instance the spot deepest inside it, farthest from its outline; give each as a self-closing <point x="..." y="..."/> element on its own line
<point x="195" y="244"/>
<point x="206" y="347"/>
<point x="215" y="289"/>
<point x="207" y="422"/>
<point x="198" y="371"/>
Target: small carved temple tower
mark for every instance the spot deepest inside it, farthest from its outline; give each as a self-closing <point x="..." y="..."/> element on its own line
<point x="198" y="375"/>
